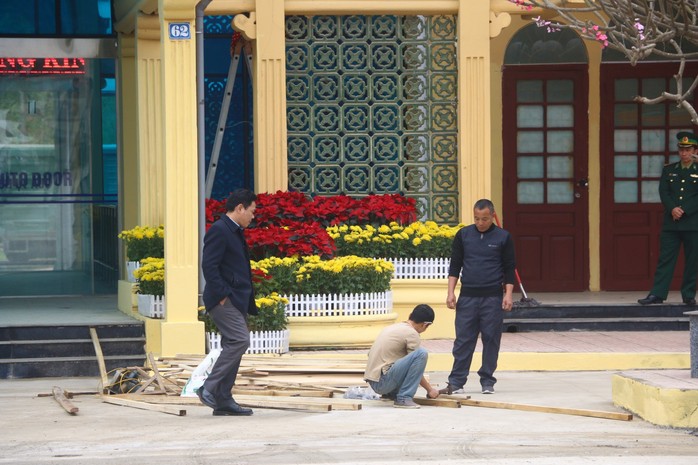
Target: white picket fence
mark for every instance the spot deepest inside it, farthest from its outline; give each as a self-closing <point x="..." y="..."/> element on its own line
<point x="420" y="268"/>
<point x="261" y="342"/>
<point x="371" y="303"/>
<point x="152" y="306"/>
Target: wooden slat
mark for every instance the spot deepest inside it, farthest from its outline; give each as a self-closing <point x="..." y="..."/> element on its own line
<point x="127" y="402"/>
<point x="546" y="409"/>
<point x="60" y="397"/>
<point x="100" y="359"/>
<point x="450" y="403"/>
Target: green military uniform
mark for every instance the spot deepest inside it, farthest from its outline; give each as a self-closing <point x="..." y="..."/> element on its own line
<point x="678" y="187"/>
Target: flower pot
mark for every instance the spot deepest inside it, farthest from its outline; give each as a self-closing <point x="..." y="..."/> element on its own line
<point x="261" y="342"/>
<point x="338" y="320"/>
<point x="369" y="303"/>
<point x="130" y="268"/>
<point x="151" y="306"/>
<point x="420" y="268"/>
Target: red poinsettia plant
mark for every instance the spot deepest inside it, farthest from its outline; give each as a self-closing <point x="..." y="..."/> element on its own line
<point x="298" y="239"/>
<point x="290" y="224"/>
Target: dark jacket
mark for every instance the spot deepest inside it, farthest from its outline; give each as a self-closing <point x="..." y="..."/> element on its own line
<point x="484" y="261"/>
<point x="678" y="187"/>
<point x="226" y="266"/>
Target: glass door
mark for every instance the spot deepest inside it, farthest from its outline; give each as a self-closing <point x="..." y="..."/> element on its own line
<point x="47" y="136"/>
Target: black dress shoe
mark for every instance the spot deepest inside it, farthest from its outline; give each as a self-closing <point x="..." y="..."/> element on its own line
<point x="232" y="408"/>
<point x="650" y="299"/>
<point x="689" y="301"/>
<point x="206" y="397"/>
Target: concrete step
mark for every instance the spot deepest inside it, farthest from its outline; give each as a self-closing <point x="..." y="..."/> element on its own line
<point x="633" y="317"/>
<point x="47" y="351"/>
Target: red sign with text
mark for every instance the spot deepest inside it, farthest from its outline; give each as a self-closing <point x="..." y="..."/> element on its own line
<point x="42" y="66"/>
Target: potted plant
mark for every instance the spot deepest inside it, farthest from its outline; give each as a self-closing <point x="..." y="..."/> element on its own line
<point x="142" y="242"/>
<point x="343" y="301"/>
<point x="151" y="287"/>
<point x="268" y="329"/>
<point x="419" y="250"/>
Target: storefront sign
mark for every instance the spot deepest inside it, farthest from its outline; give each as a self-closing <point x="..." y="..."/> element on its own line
<point x="42" y="66"/>
<point x="36" y="180"/>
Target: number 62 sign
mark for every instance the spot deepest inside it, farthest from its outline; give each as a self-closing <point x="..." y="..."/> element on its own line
<point x="180" y="31"/>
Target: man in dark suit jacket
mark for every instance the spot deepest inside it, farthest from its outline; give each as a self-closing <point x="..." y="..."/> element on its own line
<point x="229" y="298"/>
<point x="678" y="190"/>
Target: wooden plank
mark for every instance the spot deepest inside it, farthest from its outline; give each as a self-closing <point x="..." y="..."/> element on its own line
<point x="158" y="378"/>
<point x="336" y="404"/>
<point x="546" y="409"/>
<point x="450" y="403"/>
<point x="282" y="392"/>
<point x="68" y="394"/>
<point x="144" y="405"/>
<point x="60" y="397"/>
<point x="100" y="359"/>
<point x="285" y="405"/>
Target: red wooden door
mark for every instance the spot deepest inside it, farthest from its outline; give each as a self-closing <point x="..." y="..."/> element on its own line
<point x="545" y="140"/>
<point x="637" y="140"/>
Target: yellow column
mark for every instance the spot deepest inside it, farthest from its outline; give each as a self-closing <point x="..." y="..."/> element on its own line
<point x="180" y="332"/>
<point x="150" y="159"/>
<point x="269" y="87"/>
<point x="128" y="159"/>
<point x="128" y="131"/>
<point x="475" y="171"/>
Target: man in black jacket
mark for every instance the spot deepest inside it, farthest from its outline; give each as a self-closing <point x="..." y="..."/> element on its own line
<point x="229" y="298"/>
<point x="483" y="257"/>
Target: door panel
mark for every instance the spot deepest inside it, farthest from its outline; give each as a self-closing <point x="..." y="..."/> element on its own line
<point x="545" y="174"/>
<point x="637" y="140"/>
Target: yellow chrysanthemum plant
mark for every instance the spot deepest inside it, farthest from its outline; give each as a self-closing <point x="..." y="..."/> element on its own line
<point x="151" y="276"/>
<point x="416" y="240"/>
<point x="144" y="241"/>
<point x="313" y="275"/>
<point x="271" y="317"/>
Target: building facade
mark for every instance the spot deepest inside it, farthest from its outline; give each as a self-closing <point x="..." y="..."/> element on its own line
<point x="446" y="101"/>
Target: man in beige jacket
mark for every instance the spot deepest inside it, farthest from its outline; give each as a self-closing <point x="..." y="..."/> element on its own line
<point x="396" y="362"/>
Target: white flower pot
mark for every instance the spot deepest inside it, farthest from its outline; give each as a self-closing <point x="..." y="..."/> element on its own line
<point x="261" y="342"/>
<point x="130" y="268"/>
<point x="313" y="305"/>
<point x="151" y="306"/>
<point x="420" y="268"/>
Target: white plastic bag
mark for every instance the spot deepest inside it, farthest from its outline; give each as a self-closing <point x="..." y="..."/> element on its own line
<point x="200" y="374"/>
<point x="364" y="393"/>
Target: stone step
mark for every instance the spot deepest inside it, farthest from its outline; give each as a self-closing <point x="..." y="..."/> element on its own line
<point x="48" y="351"/>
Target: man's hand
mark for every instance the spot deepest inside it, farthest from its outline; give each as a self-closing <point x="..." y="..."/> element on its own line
<point x="507" y="303"/>
<point x="451" y="300"/>
<point x="677" y="213"/>
<point x="432" y="393"/>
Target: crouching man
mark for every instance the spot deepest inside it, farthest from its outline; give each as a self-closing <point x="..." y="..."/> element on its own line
<point x="396" y="362"/>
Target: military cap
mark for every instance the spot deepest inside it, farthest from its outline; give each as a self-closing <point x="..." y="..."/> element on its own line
<point x="687" y="139"/>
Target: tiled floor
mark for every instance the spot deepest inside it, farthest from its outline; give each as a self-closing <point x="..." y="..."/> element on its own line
<point x="582" y="341"/>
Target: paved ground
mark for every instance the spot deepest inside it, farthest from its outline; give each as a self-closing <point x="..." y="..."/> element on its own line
<point x="35" y="430"/>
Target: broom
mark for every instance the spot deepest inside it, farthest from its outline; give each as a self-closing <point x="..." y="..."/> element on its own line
<point x="525" y="301"/>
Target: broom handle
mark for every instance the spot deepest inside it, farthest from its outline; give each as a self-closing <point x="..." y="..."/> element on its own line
<point x="516" y="271"/>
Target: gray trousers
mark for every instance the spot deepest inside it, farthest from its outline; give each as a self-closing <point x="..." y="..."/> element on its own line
<point x="476" y="315"/>
<point x="235" y="339"/>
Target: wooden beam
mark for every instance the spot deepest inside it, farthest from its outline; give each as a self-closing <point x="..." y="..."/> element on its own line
<point x="60" y="397"/>
<point x="100" y="359"/>
<point x="450" y="403"/>
<point x="144" y="405"/>
<point x="546" y="409"/>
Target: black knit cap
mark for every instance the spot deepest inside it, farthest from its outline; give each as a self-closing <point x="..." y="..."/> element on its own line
<point x="422" y="313"/>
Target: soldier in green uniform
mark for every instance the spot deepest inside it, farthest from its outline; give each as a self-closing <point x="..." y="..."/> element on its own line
<point x="678" y="190"/>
